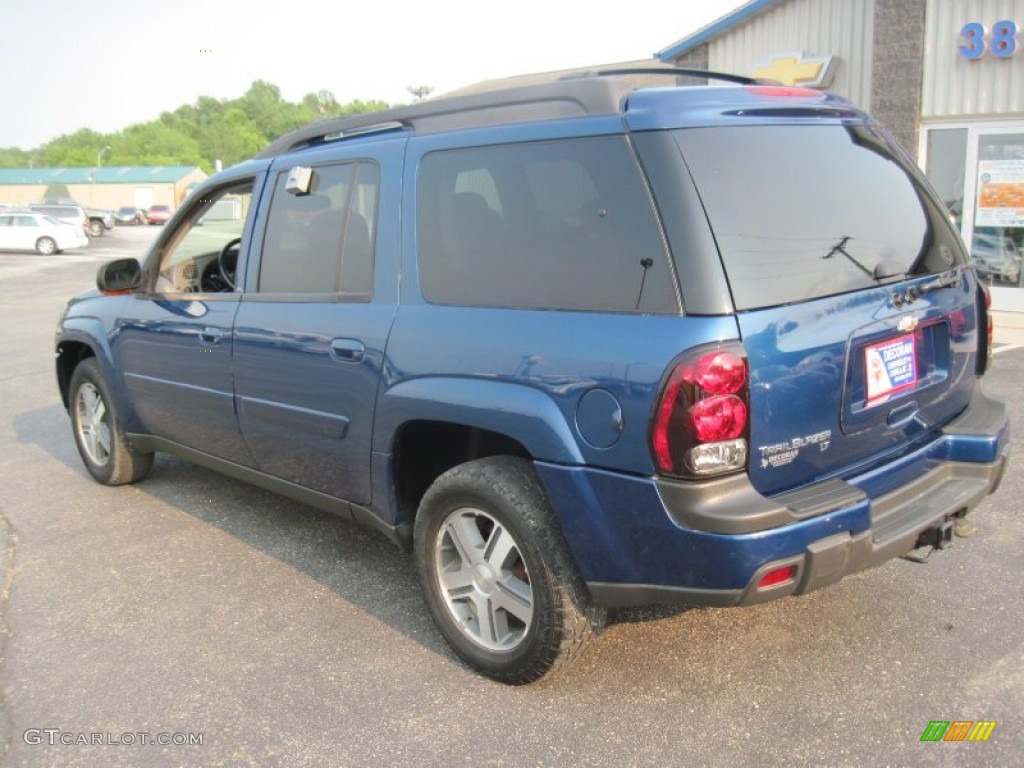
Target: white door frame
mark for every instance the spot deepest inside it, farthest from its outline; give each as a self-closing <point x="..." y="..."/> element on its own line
<point x="1003" y="298"/>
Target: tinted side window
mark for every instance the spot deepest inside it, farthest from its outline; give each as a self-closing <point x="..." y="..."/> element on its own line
<point x="322" y="242"/>
<point x="543" y="225"/>
<point x="360" y="232"/>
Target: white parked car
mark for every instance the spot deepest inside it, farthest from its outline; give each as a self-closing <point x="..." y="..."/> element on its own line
<point x="996" y="257"/>
<point x="28" y="231"/>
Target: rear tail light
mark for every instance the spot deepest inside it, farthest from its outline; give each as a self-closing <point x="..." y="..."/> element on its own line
<point x="701" y="422"/>
<point x="985" y="328"/>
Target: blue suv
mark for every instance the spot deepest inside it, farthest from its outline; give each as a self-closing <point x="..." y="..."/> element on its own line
<point x="577" y="345"/>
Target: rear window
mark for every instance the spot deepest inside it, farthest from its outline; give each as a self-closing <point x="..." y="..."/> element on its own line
<point x="542" y="225"/>
<point x="802" y="212"/>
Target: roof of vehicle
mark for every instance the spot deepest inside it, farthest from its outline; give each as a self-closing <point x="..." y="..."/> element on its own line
<point x="574" y="93"/>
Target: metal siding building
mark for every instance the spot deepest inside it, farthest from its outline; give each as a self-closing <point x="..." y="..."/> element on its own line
<point x="111" y="187"/>
<point x="945" y="77"/>
<point x="843" y="28"/>
<point x="954" y="86"/>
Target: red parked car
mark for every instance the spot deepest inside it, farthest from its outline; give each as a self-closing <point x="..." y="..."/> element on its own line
<point x="158" y="214"/>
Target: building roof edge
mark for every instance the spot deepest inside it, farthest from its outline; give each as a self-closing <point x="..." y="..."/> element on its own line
<point x="714" y="29"/>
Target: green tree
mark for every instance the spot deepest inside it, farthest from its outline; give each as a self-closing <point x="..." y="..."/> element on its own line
<point x="154" y="143"/>
<point x="228" y="130"/>
<point x="358" y="107"/>
<point x="74" y="150"/>
<point x="12" y="157"/>
<point x="231" y="139"/>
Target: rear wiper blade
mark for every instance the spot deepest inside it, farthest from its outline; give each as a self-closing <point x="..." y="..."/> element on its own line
<point x="914" y="292"/>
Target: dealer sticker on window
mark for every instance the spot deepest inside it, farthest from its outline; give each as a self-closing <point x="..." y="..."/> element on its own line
<point x="890" y="366"/>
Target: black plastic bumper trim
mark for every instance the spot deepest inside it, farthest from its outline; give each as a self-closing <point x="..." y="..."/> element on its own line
<point x="731" y="505"/>
<point x="830" y="559"/>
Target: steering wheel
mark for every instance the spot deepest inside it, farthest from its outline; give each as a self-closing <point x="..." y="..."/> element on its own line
<point x="226" y="269"/>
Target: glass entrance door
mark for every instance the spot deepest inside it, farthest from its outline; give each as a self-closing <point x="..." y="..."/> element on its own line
<point x="979" y="171"/>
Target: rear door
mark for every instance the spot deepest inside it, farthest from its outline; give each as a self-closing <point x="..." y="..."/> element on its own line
<point x="852" y="298"/>
<point x="310" y="333"/>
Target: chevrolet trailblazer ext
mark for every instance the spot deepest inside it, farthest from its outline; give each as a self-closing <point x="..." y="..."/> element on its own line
<point x="577" y="345"/>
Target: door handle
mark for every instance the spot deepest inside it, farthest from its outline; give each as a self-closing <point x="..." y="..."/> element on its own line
<point x="211" y="335"/>
<point x="347" y="350"/>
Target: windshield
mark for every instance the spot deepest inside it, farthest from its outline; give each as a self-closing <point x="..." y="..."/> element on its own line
<point x="801" y="212"/>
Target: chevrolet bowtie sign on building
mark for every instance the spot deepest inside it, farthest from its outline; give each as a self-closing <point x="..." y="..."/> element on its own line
<point x="798" y="69"/>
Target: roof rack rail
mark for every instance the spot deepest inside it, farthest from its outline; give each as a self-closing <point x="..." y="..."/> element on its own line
<point x="573" y="94"/>
<point x="665" y="70"/>
<point x="499" y="106"/>
<point x="330" y="129"/>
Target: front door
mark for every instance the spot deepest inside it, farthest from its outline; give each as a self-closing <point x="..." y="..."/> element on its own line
<point x="174" y="342"/>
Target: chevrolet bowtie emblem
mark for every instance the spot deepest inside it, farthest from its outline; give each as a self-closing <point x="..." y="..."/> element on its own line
<point x="797" y="69"/>
<point x="907" y="323"/>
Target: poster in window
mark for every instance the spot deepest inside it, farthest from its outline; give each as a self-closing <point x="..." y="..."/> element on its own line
<point x="1000" y="193"/>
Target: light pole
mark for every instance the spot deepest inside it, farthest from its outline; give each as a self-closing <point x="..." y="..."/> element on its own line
<point x="99" y="164"/>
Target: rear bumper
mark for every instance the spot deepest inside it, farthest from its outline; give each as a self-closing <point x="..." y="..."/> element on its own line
<point x="641" y="540"/>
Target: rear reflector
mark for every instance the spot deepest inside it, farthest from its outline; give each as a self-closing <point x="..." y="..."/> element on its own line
<point x="777" y="576"/>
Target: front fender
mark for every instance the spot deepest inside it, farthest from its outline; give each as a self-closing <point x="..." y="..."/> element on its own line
<point x="90" y="332"/>
<point x="522" y="413"/>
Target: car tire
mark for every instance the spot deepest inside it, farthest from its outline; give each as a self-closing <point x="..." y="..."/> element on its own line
<point x="497" y="575"/>
<point x="106" y="453"/>
<point x="95" y="228"/>
<point x="46" y="246"/>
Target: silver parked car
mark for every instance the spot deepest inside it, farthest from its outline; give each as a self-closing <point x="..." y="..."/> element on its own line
<point x="69" y="214"/>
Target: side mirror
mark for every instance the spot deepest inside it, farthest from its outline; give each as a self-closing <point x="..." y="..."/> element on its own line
<point x="119" y="276"/>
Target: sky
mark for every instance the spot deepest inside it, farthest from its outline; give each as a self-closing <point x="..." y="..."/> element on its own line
<point x="107" y="64"/>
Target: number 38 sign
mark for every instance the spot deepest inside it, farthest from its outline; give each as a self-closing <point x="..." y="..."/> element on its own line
<point x="1002" y="40"/>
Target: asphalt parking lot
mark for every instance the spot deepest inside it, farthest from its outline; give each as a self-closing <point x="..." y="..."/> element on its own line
<point x="196" y="608"/>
